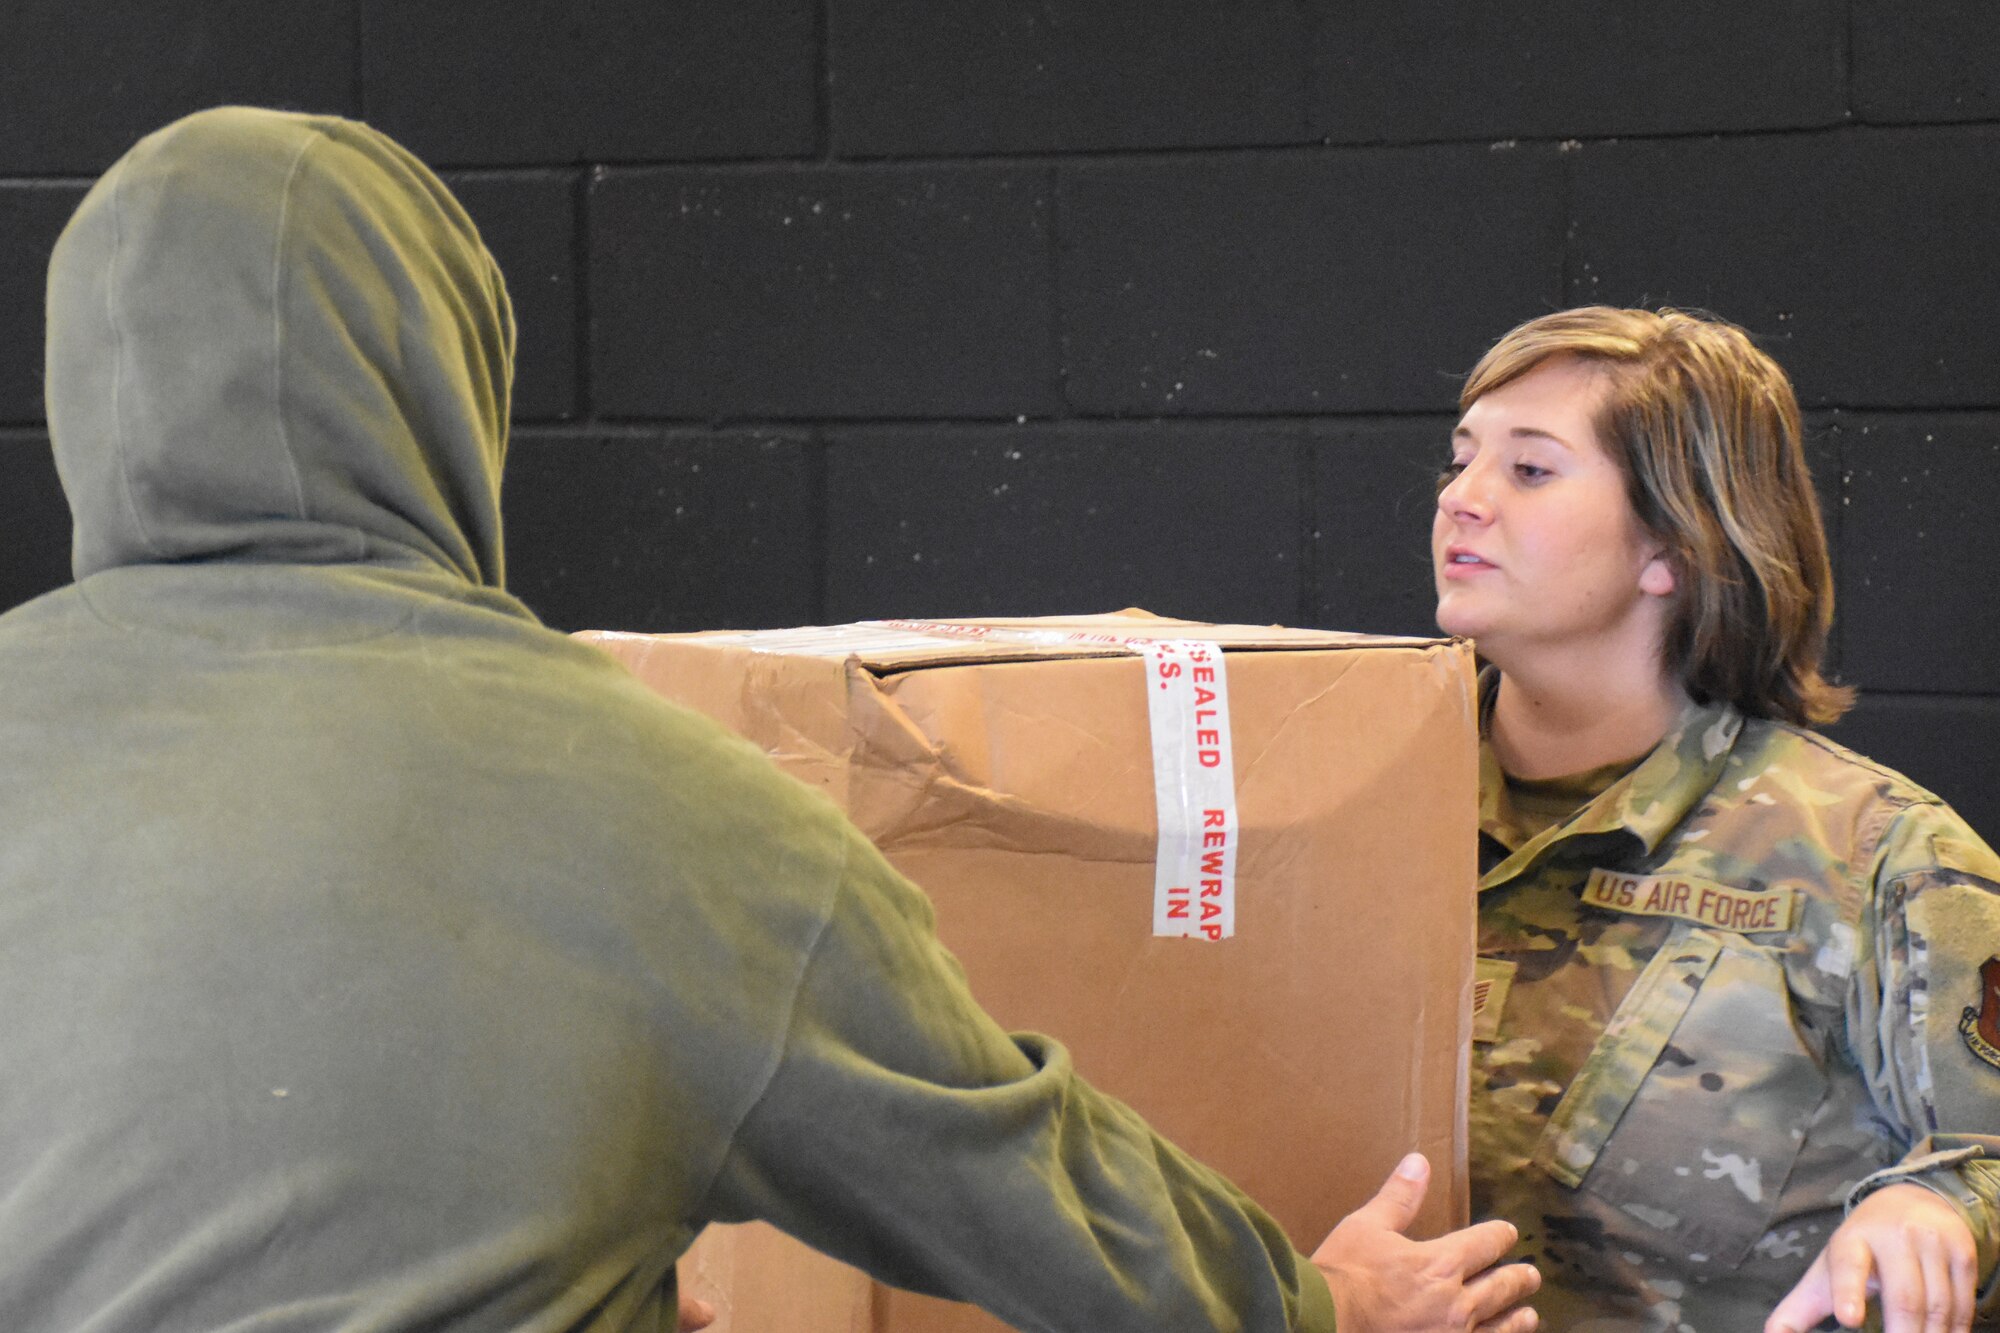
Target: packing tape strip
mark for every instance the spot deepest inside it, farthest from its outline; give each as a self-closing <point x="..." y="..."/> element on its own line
<point x="1194" y="788"/>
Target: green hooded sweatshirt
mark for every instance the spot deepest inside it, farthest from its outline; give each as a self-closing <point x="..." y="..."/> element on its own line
<point x="374" y="958"/>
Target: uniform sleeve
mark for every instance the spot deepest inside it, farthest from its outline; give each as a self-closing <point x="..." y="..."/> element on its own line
<point x="1925" y="1023"/>
<point x="903" y="1132"/>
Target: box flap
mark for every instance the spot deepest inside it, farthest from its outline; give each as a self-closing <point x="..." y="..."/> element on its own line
<point x="901" y="645"/>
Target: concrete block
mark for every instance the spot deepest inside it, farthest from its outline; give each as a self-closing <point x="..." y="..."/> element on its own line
<point x="948" y="77"/>
<point x="1918" y="523"/>
<point x="1574" y="68"/>
<point x="1925" y="60"/>
<point x="1373" y="497"/>
<point x="32" y="216"/>
<point x="1193" y="520"/>
<point x="550" y="81"/>
<point x="858" y="292"/>
<point x="529" y="222"/>
<point x="1864" y="260"/>
<point x="79" y="84"/>
<point x="1343" y="280"/>
<point x="34" y="519"/>
<point x="663" y="530"/>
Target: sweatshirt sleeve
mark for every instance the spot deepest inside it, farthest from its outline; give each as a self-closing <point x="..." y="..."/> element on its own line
<point x="903" y="1132"/>
<point x="1931" y="1045"/>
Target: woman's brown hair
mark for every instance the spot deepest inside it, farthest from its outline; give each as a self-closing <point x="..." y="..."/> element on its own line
<point x="1705" y="428"/>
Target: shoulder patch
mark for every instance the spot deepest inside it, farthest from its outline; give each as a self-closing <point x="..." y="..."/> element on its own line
<point x="1981" y="1026"/>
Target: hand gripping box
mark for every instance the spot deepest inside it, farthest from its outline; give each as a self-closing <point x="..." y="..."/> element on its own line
<point x="1231" y="867"/>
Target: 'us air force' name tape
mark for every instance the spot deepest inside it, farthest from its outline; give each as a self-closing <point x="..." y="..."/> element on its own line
<point x="1701" y="901"/>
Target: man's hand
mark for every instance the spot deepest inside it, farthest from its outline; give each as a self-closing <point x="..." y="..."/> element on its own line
<point x="1384" y="1282"/>
<point x="1904" y="1242"/>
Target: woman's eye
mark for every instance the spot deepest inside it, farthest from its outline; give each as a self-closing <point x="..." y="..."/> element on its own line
<point x="1449" y="473"/>
<point x="1530" y="472"/>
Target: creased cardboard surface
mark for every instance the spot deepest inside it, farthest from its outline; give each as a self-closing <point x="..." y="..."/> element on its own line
<point x="1303" y="1056"/>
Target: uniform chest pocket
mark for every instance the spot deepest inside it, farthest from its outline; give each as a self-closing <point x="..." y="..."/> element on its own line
<point x="1690" y="1112"/>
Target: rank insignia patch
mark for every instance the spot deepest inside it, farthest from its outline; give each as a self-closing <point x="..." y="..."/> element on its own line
<point x="1981" y="1027"/>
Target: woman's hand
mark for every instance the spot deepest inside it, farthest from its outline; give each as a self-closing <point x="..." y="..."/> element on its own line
<point x="695" y="1314"/>
<point x="1904" y="1242"/>
<point x="1384" y="1282"/>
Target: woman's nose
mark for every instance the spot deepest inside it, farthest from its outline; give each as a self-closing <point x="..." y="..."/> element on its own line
<point x="1464" y="497"/>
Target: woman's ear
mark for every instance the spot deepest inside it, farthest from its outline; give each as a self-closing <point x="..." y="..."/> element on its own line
<point x="1658" y="579"/>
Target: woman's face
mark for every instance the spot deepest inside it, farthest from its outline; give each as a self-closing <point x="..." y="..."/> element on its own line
<point x="1535" y="546"/>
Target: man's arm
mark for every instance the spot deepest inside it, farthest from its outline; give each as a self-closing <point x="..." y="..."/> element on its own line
<point x="904" y="1132"/>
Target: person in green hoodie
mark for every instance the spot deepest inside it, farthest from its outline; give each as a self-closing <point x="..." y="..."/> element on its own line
<point x="375" y="958"/>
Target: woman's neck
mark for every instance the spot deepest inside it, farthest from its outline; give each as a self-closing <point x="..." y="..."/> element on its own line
<point x="1563" y="722"/>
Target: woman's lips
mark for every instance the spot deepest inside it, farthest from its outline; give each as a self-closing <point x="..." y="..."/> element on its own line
<point x="1460" y="563"/>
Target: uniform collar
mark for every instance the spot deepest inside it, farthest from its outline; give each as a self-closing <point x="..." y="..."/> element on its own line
<point x="1638" y="810"/>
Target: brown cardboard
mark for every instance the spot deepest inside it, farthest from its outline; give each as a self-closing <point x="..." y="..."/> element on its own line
<point x="1006" y="767"/>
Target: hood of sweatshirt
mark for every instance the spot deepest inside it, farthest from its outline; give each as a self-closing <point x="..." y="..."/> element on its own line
<point x="278" y="339"/>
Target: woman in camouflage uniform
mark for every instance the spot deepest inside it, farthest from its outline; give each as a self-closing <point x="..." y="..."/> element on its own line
<point x="1738" y="1051"/>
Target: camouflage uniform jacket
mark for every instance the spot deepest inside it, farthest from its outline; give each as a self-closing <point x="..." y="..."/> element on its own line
<point x="1754" y="977"/>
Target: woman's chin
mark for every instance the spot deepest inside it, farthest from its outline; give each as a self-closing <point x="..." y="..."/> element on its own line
<point x="1457" y="620"/>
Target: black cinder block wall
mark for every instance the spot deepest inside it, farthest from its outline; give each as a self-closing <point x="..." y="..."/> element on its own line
<point x="836" y="309"/>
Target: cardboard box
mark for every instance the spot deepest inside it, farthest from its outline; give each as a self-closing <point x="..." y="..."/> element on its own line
<point x="1299" y="1032"/>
